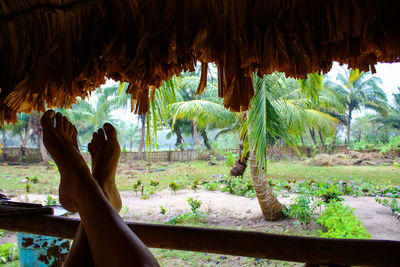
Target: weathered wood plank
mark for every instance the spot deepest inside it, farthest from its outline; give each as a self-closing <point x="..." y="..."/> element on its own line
<point x="243" y="243"/>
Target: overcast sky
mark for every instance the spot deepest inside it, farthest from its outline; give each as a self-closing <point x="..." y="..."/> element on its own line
<point x="388" y="72"/>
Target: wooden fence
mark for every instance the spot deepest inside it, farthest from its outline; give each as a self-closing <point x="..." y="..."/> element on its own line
<point x="311" y="250"/>
<point x="32" y="155"/>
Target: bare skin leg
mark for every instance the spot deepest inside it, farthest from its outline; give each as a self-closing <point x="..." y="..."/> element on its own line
<point x="105" y="156"/>
<point x="111" y="241"/>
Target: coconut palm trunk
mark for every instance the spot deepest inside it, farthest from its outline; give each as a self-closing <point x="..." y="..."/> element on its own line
<point x="195" y="133"/>
<point x="142" y="138"/>
<point x="43" y="151"/>
<point x="240" y="164"/>
<point x="269" y="204"/>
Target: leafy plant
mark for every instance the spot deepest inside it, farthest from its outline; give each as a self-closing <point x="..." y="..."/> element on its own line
<point x="27" y="185"/>
<point x="194" y="216"/>
<point x="340" y="222"/>
<point x="124" y="210"/>
<point x="211" y="186"/>
<point x="163" y="210"/>
<point x="239" y="186"/>
<point x="329" y="192"/>
<point x="173" y="186"/>
<point x="138" y="185"/>
<point x="50" y="201"/>
<point x="230" y="158"/>
<point x="55" y="167"/>
<point x="8" y="252"/>
<point x="154" y="183"/>
<point x="195" y="185"/>
<point x="34" y="179"/>
<point x="303" y="208"/>
<point x="392" y="204"/>
<point x="194" y="204"/>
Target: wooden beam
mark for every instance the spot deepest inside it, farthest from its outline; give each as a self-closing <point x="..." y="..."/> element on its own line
<point x="311" y="250"/>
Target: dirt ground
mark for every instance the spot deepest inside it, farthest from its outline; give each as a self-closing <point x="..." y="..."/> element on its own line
<point x="230" y="211"/>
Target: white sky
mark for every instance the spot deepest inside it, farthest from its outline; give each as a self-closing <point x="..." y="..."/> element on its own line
<point x="388" y="72"/>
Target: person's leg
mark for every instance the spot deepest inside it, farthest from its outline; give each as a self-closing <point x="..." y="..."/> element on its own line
<point x="111" y="241"/>
<point x="105" y="155"/>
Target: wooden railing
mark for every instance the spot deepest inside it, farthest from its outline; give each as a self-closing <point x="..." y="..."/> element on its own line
<point x="310" y="250"/>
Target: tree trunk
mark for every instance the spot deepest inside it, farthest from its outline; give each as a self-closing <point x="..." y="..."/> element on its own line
<point x="312" y="133"/>
<point x="269" y="204"/>
<point x="142" y="138"/>
<point x="24" y="142"/>
<point x="43" y="151"/>
<point x="196" y="135"/>
<point x="302" y="140"/>
<point x="240" y="165"/>
<point x="322" y="140"/>
<point x="205" y="140"/>
<point x="4" y="144"/>
<point x="179" y="138"/>
<point x="348" y="126"/>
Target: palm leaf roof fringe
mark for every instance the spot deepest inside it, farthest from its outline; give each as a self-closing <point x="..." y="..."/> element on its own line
<point x="52" y="51"/>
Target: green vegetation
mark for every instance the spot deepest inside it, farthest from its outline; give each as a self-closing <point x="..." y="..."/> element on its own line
<point x="340" y="222"/>
<point x="8" y="252"/>
<point x="195" y="216"/>
<point x="393" y="204"/>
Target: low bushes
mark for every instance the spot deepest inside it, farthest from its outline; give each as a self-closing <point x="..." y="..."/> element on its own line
<point x="340" y="222"/>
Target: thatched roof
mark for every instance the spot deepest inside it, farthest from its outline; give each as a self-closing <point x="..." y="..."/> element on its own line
<point x="54" y="50"/>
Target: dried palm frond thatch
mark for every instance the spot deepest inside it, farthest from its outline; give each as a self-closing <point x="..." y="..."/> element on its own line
<point x="54" y="50"/>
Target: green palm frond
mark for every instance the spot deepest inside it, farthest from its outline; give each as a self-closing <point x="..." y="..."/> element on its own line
<point x="204" y="112"/>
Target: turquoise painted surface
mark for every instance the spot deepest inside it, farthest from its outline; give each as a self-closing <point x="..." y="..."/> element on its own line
<point x="41" y="251"/>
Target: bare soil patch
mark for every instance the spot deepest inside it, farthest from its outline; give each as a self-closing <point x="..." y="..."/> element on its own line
<point x="230" y="211"/>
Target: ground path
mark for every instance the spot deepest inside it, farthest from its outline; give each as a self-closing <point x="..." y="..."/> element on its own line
<point x="377" y="219"/>
<point x="226" y="210"/>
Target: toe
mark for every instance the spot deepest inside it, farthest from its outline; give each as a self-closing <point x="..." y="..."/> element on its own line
<point x="75" y="136"/>
<point x="66" y="125"/>
<point x="94" y="141"/>
<point x="47" y="119"/>
<point x="110" y="130"/>
<point x="101" y="135"/>
<point x="59" y="121"/>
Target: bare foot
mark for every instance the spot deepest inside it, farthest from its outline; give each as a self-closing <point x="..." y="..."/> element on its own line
<point x="60" y="142"/>
<point x="105" y="156"/>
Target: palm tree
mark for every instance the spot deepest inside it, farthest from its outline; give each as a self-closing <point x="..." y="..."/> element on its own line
<point x="360" y="89"/>
<point x="89" y="116"/>
<point x="278" y="111"/>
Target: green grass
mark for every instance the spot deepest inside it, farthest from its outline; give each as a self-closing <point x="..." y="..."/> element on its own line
<point x="11" y="177"/>
<point x="300" y="171"/>
<point x="167" y="257"/>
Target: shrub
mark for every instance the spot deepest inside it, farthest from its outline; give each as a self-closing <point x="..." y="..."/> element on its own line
<point x="8" y="252"/>
<point x="34" y="179"/>
<point x="239" y="186"/>
<point x="154" y="183"/>
<point x="230" y="158"/>
<point x="195" y="185"/>
<point x="138" y="185"/>
<point x="302" y="209"/>
<point x="194" y="216"/>
<point x="50" y="201"/>
<point x="211" y="186"/>
<point x="173" y="186"/>
<point x="329" y="192"/>
<point x="163" y="210"/>
<point x="340" y="222"/>
<point x="194" y="204"/>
